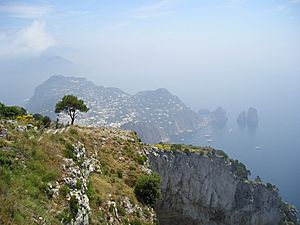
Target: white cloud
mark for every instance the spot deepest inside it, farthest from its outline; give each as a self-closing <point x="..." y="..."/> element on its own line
<point x="160" y="8"/>
<point x="33" y="39"/>
<point x="21" y="10"/>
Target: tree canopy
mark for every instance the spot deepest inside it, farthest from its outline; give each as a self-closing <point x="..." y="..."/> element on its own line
<point x="72" y="106"/>
<point x="11" y="112"/>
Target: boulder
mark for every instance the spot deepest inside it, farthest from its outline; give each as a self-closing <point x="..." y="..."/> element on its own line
<point x="3" y="133"/>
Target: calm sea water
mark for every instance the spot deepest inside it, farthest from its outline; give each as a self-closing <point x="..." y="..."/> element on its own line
<point x="272" y="150"/>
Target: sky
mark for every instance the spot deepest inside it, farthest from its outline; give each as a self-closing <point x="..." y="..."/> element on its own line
<point x="208" y="52"/>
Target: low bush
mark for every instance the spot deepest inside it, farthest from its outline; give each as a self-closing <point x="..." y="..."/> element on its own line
<point x="147" y="189"/>
<point x="240" y="169"/>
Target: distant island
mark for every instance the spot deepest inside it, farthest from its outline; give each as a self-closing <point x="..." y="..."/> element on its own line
<point x="250" y="118"/>
<point x="154" y="115"/>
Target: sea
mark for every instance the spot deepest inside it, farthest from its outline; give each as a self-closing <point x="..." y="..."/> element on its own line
<point x="270" y="151"/>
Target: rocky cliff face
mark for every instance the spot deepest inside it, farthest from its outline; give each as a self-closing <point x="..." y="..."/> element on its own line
<point x="202" y="189"/>
<point x="154" y="115"/>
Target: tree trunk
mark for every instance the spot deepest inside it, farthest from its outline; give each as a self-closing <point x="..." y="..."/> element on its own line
<point x="72" y="120"/>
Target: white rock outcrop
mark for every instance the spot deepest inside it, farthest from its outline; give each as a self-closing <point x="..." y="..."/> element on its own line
<point x="76" y="178"/>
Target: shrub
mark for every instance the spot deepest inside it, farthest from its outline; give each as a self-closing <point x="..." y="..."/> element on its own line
<point x="11" y="112"/>
<point x="74" y="206"/>
<point x="141" y="159"/>
<point x="42" y="121"/>
<point x="272" y="187"/>
<point x="257" y="179"/>
<point x="121" y="210"/>
<point x="136" y="222"/>
<point x="240" y="169"/>
<point x="46" y="121"/>
<point x="147" y="189"/>
<point x="90" y="191"/>
<point x="25" y="118"/>
<point x="78" y="184"/>
<point x="65" y="190"/>
<point x="176" y="147"/>
<point x="68" y="152"/>
<point x="120" y="173"/>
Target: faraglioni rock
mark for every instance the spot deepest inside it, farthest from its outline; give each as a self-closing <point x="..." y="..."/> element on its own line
<point x="252" y="116"/>
<point x="203" y="189"/>
<point x="242" y="119"/>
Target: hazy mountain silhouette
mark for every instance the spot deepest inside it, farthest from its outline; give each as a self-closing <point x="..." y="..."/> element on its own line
<point x="20" y="77"/>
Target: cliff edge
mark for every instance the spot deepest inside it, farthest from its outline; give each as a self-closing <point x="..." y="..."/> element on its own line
<point x="206" y="187"/>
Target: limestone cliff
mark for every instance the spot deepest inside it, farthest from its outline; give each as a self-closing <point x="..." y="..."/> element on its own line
<point x="204" y="189"/>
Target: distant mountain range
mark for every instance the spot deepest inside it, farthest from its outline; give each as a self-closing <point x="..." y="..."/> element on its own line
<point x="154" y="115"/>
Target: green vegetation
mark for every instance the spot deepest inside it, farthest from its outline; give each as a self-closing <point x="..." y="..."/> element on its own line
<point x="141" y="159"/>
<point x="28" y="163"/>
<point x="286" y="209"/>
<point x="147" y="189"/>
<point x="71" y="105"/>
<point x="20" y="114"/>
<point x="42" y="121"/>
<point x="272" y="186"/>
<point x="68" y="214"/>
<point x="11" y="112"/>
<point x="73" y="206"/>
<point x="191" y="149"/>
<point x="239" y="169"/>
<point x="257" y="179"/>
<point x="24" y="176"/>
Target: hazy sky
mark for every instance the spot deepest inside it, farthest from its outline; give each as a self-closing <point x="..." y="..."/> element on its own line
<point x="217" y="51"/>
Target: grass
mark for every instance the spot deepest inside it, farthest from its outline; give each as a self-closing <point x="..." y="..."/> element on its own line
<point x="29" y="165"/>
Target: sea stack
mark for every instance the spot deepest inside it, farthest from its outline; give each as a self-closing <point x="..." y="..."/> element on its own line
<point x="242" y="119"/>
<point x="252" y="117"/>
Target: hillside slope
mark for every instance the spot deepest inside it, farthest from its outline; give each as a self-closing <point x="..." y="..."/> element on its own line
<point x="78" y="174"/>
<point x="84" y="175"/>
